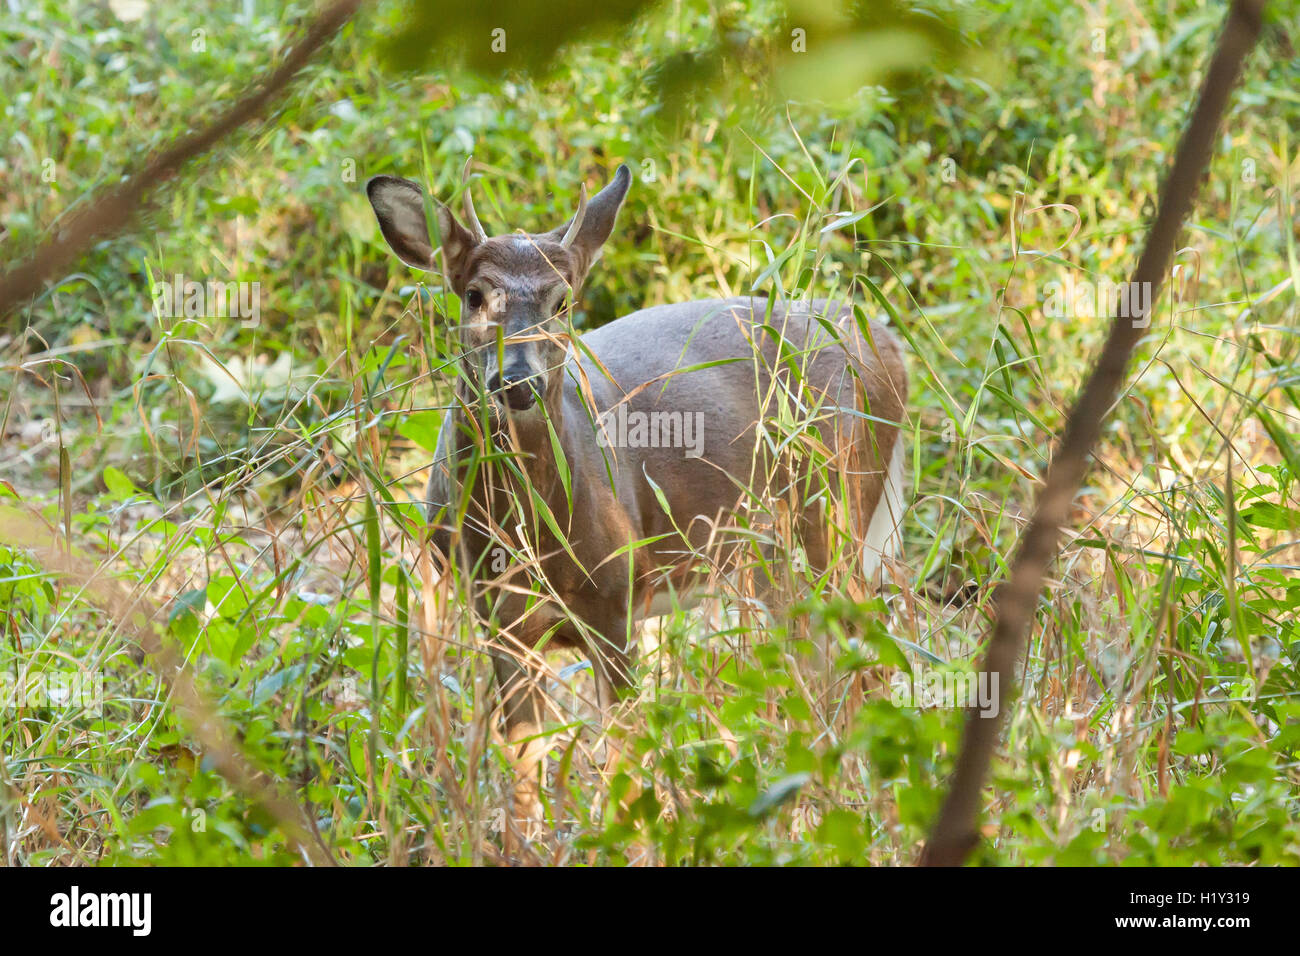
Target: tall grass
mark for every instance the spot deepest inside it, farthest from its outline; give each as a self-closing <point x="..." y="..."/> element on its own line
<point x="268" y="506"/>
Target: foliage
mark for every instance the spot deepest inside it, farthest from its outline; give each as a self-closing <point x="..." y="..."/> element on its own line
<point x="258" y="482"/>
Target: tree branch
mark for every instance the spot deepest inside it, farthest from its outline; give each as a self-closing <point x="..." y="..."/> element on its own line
<point x="108" y="213"/>
<point x="954" y="834"/>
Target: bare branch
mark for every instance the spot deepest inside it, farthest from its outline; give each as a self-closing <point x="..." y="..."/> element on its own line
<point x="108" y="213"/>
<point x="954" y="834"/>
<point x="137" y="615"/>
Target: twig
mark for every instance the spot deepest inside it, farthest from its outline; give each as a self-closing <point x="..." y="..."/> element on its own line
<point x="138" y="615"/>
<point x="954" y="834"/>
<point x="108" y="213"/>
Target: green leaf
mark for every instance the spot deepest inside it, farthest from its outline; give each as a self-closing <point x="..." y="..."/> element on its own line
<point x="783" y="791"/>
<point x="422" y="428"/>
<point x="1275" y="517"/>
<point x="119" y="486"/>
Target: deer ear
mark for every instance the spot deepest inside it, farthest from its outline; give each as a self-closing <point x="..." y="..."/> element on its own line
<point x="598" y="222"/>
<point x="399" y="207"/>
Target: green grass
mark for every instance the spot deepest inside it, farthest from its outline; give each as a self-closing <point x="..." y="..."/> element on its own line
<point x="273" y="528"/>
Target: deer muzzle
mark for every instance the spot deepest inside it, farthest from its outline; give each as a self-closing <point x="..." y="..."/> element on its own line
<point x="518" y="388"/>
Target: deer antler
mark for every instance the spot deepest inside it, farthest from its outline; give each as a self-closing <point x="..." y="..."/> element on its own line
<point x="576" y="226"/>
<point x="471" y="217"/>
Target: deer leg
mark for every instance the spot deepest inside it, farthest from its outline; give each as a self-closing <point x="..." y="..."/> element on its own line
<point x="611" y="664"/>
<point x="523" y="705"/>
<point x="611" y="655"/>
<point x="612" y="661"/>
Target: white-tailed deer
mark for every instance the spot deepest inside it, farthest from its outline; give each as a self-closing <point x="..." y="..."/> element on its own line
<point x="555" y="450"/>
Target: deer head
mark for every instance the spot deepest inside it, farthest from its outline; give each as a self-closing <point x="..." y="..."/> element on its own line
<point x="515" y="290"/>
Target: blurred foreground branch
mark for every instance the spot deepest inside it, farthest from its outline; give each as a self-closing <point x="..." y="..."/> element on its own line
<point x="109" y="212"/>
<point x="137" y="616"/>
<point x="955" y="834"/>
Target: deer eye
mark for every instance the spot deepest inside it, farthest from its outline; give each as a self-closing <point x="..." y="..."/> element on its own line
<point x="474" y="299"/>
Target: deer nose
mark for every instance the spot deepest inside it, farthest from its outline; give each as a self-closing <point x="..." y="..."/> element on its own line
<point x="516" y="387"/>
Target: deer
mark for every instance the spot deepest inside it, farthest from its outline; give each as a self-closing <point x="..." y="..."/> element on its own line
<point x="534" y="454"/>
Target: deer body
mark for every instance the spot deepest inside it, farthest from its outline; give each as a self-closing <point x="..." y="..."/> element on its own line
<point x="713" y="372"/>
